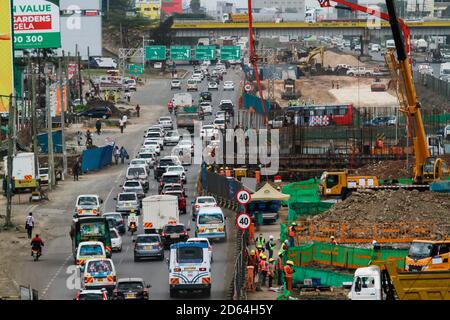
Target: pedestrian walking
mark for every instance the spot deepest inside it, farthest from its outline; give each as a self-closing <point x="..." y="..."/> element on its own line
<point x="123" y="154"/>
<point x="271" y="271"/>
<point x="124" y="119"/>
<point x="337" y="84"/>
<point x="79" y="138"/>
<point x="121" y="124"/>
<point x="332" y="84"/>
<point x="88" y="134"/>
<point x="270" y="245"/>
<point x="29" y="224"/>
<point x="292" y="234"/>
<point x="116" y="154"/>
<point x="260" y="242"/>
<point x="138" y="110"/>
<point x="279" y="268"/>
<point x="288" y="271"/>
<point x="76" y="170"/>
<point x="98" y="126"/>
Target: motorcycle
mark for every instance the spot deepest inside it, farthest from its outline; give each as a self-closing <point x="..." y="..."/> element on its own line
<point x="132" y="228"/>
<point x="36" y="254"/>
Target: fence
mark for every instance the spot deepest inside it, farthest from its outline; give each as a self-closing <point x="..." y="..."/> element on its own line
<point x="327" y="277"/>
<point x="356" y="232"/>
<point x="342" y="256"/>
<point x="223" y="188"/>
<point x="438" y="86"/>
<point x="97" y="158"/>
<point x="240" y="266"/>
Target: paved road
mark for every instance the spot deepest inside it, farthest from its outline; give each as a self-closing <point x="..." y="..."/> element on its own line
<point x="49" y="274"/>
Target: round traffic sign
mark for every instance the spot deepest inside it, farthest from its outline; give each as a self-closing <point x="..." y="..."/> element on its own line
<point x="243" y="197"/>
<point x="248" y="87"/>
<point x="243" y="221"/>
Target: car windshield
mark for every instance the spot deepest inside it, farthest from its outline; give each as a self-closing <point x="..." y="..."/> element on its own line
<point x="219" y="121"/>
<point x="113" y="234"/>
<point x="185" y="142"/>
<point x="153" y="135"/>
<point x="147" y="239"/>
<point x="173" y="187"/>
<point x="132" y="184"/>
<point x="127" y="197"/>
<point x="146" y="155"/>
<point x="133" y="286"/>
<point x="165" y="119"/>
<point x="175" y="169"/>
<point x="43" y="171"/>
<point x="171" y="179"/>
<point x="211" y="218"/>
<point x="174" y="229"/>
<point x="189" y="255"/>
<point x="206" y="200"/>
<point x="137" y="162"/>
<point x="172" y="134"/>
<point x="117" y="217"/>
<point x="91" y="296"/>
<point x="136" y="171"/>
<point x="166" y="162"/>
<point x="227" y="105"/>
<point x="91" y="250"/>
<point x="99" y="266"/>
<point x="151" y="142"/>
<point x="191" y="82"/>
<point x="112" y="222"/>
<point x="208" y="127"/>
<point x="87" y="201"/>
<point x="420" y="250"/>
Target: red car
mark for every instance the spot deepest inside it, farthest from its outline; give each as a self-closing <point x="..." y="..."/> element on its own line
<point x="181" y="200"/>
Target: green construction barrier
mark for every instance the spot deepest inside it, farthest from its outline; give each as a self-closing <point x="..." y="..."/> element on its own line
<point x="342" y="256"/>
<point x="283" y="232"/>
<point x="327" y="277"/>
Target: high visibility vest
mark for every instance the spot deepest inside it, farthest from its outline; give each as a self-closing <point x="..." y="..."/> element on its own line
<point x="270" y="245"/>
<point x="291" y="231"/>
<point x="270" y="268"/>
<point x="282" y="250"/>
<point x="260" y="242"/>
<point x="288" y="271"/>
<point x="263" y="265"/>
<point x="279" y="264"/>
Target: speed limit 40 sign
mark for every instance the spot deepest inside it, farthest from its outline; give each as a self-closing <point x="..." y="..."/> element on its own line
<point x="243" y="197"/>
<point x="243" y="221"/>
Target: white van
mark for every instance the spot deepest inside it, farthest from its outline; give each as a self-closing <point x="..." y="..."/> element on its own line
<point x="88" y="205"/>
<point x="390" y="44"/>
<point x="189" y="268"/>
<point x="89" y="250"/>
<point x="211" y="224"/>
<point x="99" y="273"/>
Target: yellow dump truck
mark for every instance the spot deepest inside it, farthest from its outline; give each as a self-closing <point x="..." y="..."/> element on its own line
<point x="382" y="281"/>
<point x="428" y="255"/>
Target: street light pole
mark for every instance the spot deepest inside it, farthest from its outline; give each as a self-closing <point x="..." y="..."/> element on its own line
<point x="63" y="110"/>
<point x="11" y="123"/>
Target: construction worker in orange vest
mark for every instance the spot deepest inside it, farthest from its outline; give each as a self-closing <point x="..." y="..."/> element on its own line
<point x="292" y="234"/>
<point x="251" y="231"/>
<point x="333" y="240"/>
<point x="279" y="268"/>
<point x="288" y="271"/>
<point x="270" y="271"/>
<point x="251" y="278"/>
<point x="263" y="270"/>
<point x="253" y="261"/>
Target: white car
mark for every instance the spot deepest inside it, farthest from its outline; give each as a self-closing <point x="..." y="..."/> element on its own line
<point x="177" y="169"/>
<point x="192" y="85"/>
<point x="166" y="122"/>
<point x="140" y="161"/>
<point x="149" y="157"/>
<point x="153" y="144"/>
<point x="212" y="85"/>
<point x="375" y="48"/>
<point x="187" y="144"/>
<point x="228" y="85"/>
<point x="175" y="84"/>
<point x="206" y="107"/>
<point x="198" y="77"/>
<point x="156" y="136"/>
<point x="219" y="123"/>
<point x="208" y="131"/>
<point x="198" y="74"/>
<point x="116" y="240"/>
<point x="202" y="202"/>
<point x="172" y="137"/>
<point x="220" y="114"/>
<point x="43" y="175"/>
<point x="203" y="240"/>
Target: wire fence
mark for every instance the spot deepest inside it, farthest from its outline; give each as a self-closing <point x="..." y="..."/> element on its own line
<point x="240" y="266"/>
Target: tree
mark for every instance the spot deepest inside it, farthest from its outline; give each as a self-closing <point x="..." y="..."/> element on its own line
<point x="195" y="6"/>
<point x="161" y="35"/>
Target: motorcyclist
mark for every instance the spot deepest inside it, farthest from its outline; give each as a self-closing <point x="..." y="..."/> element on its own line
<point x="36" y="244"/>
<point x="132" y="222"/>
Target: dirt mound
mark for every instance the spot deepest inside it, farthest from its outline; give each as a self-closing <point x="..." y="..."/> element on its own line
<point x="333" y="59"/>
<point x="388" y="169"/>
<point x="392" y="206"/>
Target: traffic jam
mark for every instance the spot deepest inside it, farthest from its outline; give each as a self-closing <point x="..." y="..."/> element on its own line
<point x="152" y="199"/>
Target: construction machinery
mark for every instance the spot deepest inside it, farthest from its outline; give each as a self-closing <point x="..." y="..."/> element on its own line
<point x="309" y="64"/>
<point x="382" y="281"/>
<point x="289" y="92"/>
<point x="340" y="184"/>
<point x="428" y="255"/>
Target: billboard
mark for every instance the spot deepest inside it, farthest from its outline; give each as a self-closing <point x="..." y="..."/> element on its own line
<point x="172" y="6"/>
<point x="36" y="25"/>
<point x="6" y="54"/>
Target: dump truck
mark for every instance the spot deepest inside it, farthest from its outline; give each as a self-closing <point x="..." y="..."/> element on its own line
<point x="428" y="255"/>
<point x="382" y="281"/>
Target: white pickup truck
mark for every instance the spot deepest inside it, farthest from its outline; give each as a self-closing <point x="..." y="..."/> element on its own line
<point x="359" y="71"/>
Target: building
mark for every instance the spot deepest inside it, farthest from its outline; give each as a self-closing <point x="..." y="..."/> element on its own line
<point x="77" y="21"/>
<point x="149" y="8"/>
<point x="172" y="6"/>
<point x="440" y="6"/>
<point x="223" y="7"/>
<point x="287" y="10"/>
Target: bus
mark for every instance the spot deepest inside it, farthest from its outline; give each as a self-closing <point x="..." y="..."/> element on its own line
<point x="90" y="229"/>
<point x="322" y="115"/>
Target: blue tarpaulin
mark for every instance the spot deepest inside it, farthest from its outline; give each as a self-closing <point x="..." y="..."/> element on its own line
<point x="95" y="159"/>
<point x="254" y="102"/>
<point x="42" y="140"/>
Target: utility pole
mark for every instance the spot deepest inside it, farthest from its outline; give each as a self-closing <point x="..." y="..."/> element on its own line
<point x="63" y="110"/>
<point x="51" y="160"/>
<point x="34" y="121"/>
<point x="79" y="75"/>
<point x="11" y="123"/>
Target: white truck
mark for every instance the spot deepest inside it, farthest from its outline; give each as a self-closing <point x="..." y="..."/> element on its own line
<point x="24" y="172"/>
<point x="159" y="210"/>
<point x="181" y="100"/>
<point x="359" y="71"/>
<point x="111" y="83"/>
<point x="421" y="45"/>
<point x="444" y="69"/>
<point x="390" y="44"/>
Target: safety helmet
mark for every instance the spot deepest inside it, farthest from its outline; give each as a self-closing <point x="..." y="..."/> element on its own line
<point x="252" y="252"/>
<point x="280" y="254"/>
<point x="286" y="241"/>
<point x="290" y="262"/>
<point x="332" y="237"/>
<point x="271" y="260"/>
<point x="263" y="257"/>
<point x="293" y="223"/>
<point x="374" y="242"/>
<point x="271" y="237"/>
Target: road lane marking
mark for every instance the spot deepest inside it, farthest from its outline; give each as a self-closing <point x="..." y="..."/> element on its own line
<point x="125" y="254"/>
<point x="55" y="275"/>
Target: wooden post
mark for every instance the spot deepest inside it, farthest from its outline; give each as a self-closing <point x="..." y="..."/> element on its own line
<point x="34" y="122"/>
<point x="11" y="140"/>
<point x="51" y="164"/>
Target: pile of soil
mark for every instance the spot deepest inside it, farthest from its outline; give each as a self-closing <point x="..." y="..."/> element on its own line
<point x="388" y="169"/>
<point x="393" y="206"/>
<point x="333" y="59"/>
